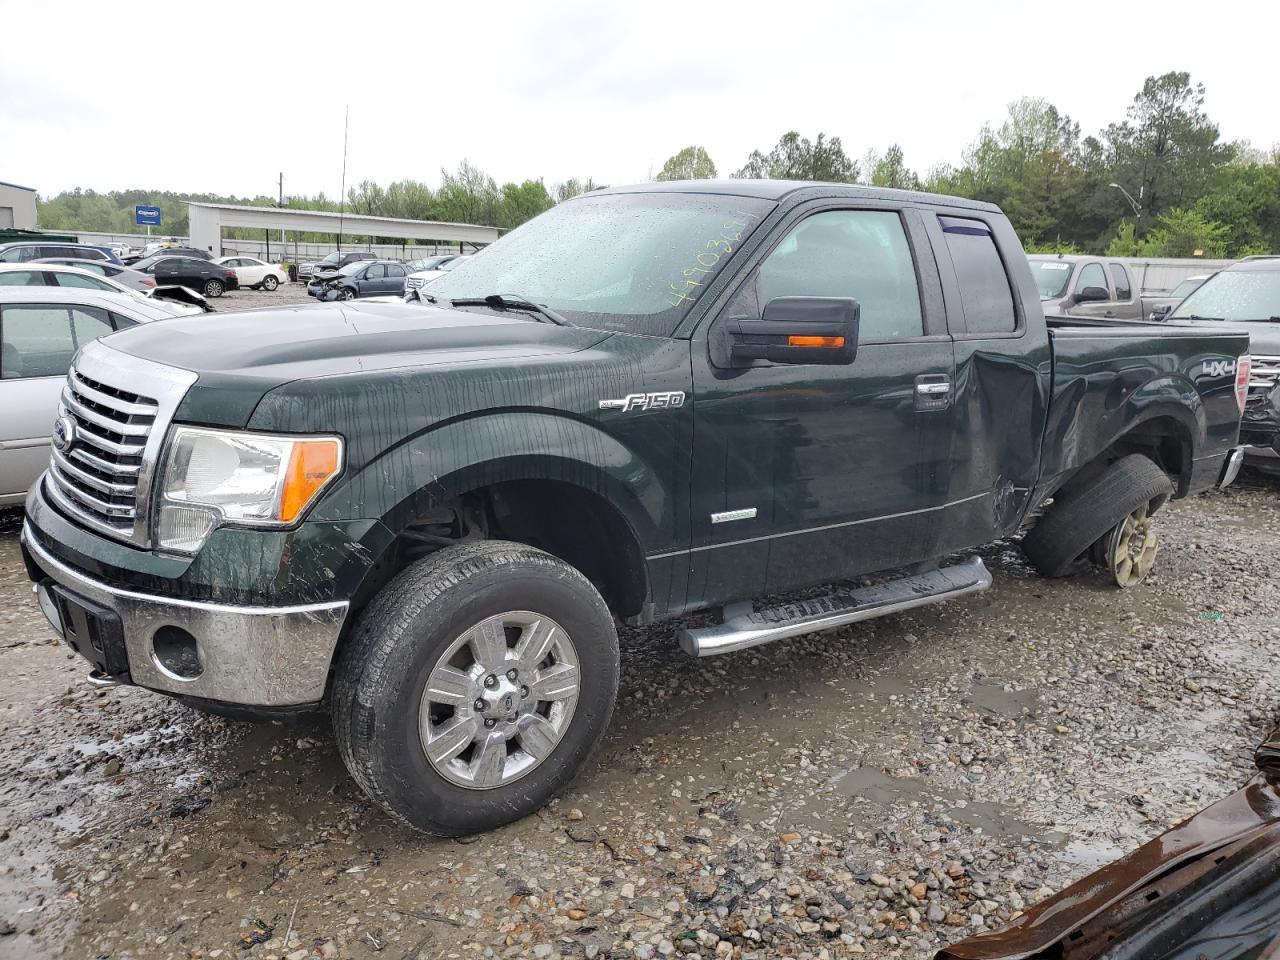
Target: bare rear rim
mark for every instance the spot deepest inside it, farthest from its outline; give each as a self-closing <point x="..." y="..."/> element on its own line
<point x="1132" y="545"/>
<point x="499" y="700"/>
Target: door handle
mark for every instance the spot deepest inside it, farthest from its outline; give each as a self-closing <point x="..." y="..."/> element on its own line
<point x="1110" y="313"/>
<point x="933" y="392"/>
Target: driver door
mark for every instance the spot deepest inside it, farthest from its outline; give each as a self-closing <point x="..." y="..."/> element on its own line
<point x="806" y="474"/>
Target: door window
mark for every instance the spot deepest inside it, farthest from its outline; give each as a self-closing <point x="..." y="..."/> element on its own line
<point x="22" y="278"/>
<point x="375" y="272"/>
<point x="88" y="323"/>
<point x="395" y="270"/>
<point x="83" y="282"/>
<point x="1091" y="275"/>
<point x="985" y="294"/>
<point x="35" y="341"/>
<point x="1121" y="278"/>
<point x="861" y="254"/>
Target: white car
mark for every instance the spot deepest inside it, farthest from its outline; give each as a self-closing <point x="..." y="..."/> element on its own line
<point x="41" y="328"/>
<point x="416" y="281"/>
<point x="37" y="274"/>
<point x="255" y="273"/>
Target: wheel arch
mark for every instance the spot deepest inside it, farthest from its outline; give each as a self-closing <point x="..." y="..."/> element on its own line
<point x="1167" y="436"/>
<point x="560" y="484"/>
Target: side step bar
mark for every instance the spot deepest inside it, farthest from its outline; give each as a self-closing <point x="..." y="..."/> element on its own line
<point x="744" y="629"/>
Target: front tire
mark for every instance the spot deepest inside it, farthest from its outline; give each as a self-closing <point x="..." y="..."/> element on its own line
<point x="213" y="288"/>
<point x="270" y="283"/>
<point x="348" y="293"/>
<point x="476" y="685"/>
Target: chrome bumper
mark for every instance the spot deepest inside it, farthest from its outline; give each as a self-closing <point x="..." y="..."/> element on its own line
<point x="257" y="656"/>
<point x="1231" y="469"/>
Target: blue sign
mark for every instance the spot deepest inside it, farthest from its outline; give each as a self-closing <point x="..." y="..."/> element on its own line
<point x="146" y="216"/>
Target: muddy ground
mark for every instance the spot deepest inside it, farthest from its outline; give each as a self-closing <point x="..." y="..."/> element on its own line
<point x="876" y="791"/>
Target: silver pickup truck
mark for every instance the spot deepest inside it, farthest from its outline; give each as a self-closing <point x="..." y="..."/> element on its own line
<point x="1081" y="286"/>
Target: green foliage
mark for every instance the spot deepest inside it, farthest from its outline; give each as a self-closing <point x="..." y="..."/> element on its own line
<point x="521" y="202"/>
<point x="795" y="158"/>
<point x="1056" y="245"/>
<point x="691" y="163"/>
<point x="1124" y="243"/>
<point x="1177" y="233"/>
<point x="890" y="170"/>
<point x="574" y="187"/>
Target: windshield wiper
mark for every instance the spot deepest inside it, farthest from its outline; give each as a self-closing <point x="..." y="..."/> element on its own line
<point x="1196" y="316"/>
<point x="507" y="301"/>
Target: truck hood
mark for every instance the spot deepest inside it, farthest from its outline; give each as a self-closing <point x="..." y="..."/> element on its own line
<point x="238" y="357"/>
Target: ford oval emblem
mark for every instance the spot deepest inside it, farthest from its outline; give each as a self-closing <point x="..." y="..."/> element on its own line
<point x="64" y="434"/>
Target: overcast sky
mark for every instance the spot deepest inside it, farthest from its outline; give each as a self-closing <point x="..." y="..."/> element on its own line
<point x="220" y="97"/>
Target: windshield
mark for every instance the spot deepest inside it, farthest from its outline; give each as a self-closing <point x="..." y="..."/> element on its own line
<point x="331" y="258"/>
<point x="634" y="262"/>
<point x="1051" y="277"/>
<point x="355" y="266"/>
<point x="1186" y="288"/>
<point x="1234" y="295"/>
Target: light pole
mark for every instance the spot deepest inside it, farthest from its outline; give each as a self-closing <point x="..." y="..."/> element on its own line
<point x="1137" y="206"/>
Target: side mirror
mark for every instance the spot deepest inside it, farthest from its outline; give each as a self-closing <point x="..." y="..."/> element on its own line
<point x="1162" y="311"/>
<point x="1092" y="295"/>
<point x="798" y="330"/>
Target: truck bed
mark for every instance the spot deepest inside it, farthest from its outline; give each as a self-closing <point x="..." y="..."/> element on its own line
<point x="1109" y="375"/>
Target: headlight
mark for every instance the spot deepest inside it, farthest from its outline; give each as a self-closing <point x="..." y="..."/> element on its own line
<point x="213" y="477"/>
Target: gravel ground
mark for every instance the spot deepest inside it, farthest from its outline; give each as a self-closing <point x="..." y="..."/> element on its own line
<point x="246" y="299"/>
<point x="876" y="791"/>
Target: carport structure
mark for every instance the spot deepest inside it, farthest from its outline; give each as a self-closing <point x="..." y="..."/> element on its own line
<point x="208" y="219"/>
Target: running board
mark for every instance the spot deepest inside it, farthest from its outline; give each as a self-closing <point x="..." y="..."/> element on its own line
<point x="741" y="630"/>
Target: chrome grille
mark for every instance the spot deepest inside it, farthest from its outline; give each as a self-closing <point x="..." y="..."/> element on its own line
<point x="413" y="283"/>
<point x="1264" y="373"/>
<point x="98" y="473"/>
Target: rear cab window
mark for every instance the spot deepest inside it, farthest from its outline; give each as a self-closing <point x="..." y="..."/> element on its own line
<point x="986" y="295"/>
<point x="1120" y="276"/>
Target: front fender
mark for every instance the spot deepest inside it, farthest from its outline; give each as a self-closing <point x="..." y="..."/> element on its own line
<point x="467" y="453"/>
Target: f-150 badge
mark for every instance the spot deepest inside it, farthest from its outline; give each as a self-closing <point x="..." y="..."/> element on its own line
<point x="645" y="401"/>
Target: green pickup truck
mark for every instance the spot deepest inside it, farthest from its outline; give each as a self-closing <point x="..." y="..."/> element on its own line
<point x="645" y="402"/>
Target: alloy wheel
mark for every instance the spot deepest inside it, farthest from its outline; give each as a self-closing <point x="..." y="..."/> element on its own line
<point x="499" y="700"/>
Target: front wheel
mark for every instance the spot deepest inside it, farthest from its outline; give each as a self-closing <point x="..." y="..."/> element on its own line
<point x="269" y="283"/>
<point x="348" y="293"/>
<point x="213" y="288"/>
<point x="475" y="687"/>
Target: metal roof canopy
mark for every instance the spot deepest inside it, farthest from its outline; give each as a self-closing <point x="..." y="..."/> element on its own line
<point x="208" y="219"/>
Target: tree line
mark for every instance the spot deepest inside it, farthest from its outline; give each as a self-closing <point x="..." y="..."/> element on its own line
<point x="1159" y="182"/>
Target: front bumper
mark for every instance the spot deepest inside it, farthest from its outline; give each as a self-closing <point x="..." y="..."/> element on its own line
<point x="250" y="655"/>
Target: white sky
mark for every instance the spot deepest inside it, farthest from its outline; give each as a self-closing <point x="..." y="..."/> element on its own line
<point x="220" y="97"/>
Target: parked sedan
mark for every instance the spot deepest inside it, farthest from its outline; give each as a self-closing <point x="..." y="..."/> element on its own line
<point x="41" y="274"/>
<point x="125" y="276"/>
<point x="251" y="272"/>
<point x="193" y="252"/>
<point x="203" y="276"/>
<point x="41" y="328"/>
<point x="361" y="279"/>
<point x="20" y="251"/>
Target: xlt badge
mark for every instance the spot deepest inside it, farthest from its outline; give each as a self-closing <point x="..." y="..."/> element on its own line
<point x="645" y="401"/>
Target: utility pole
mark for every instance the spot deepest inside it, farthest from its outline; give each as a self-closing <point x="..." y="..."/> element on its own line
<point x="280" y="204"/>
<point x="342" y="198"/>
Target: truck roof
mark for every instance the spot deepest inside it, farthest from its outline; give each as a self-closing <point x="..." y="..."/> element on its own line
<point x="780" y="189"/>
